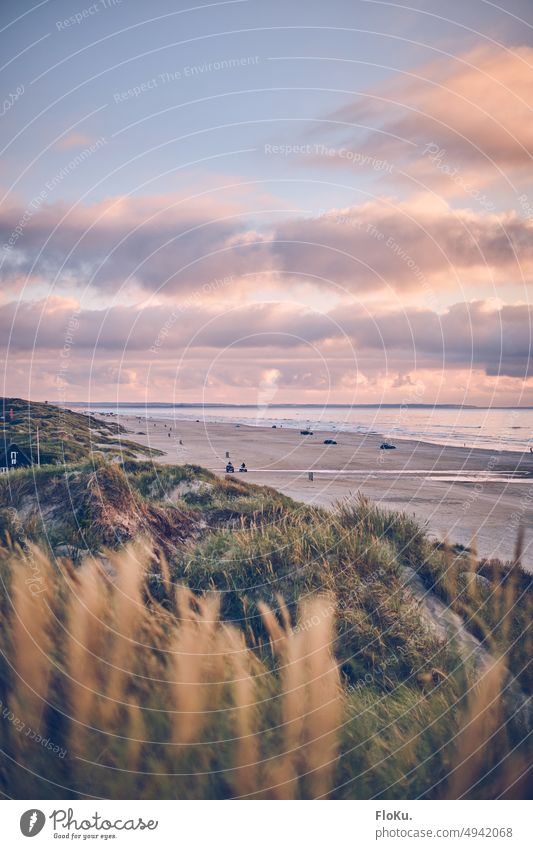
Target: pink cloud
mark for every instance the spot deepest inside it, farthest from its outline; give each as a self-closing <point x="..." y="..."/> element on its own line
<point x="476" y="108"/>
<point x="168" y="246"/>
<point x="74" y="140"/>
<point x="478" y="335"/>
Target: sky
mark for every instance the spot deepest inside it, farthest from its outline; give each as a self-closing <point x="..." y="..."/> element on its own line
<point x="282" y="202"/>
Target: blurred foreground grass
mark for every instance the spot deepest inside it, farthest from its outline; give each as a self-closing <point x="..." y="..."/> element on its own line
<point x="168" y="634"/>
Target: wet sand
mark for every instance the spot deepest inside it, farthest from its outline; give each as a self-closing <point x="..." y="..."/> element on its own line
<point x="418" y="478"/>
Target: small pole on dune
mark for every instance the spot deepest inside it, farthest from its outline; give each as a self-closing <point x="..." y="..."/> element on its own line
<point x="38" y="448"/>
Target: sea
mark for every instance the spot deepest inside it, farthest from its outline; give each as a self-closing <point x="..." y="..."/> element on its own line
<point x="495" y="428"/>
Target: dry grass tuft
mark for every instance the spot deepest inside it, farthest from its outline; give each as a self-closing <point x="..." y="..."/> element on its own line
<point x="193" y="649"/>
<point x="482" y="720"/>
<point x="156" y="702"/>
<point x="129" y="612"/>
<point x="85" y="644"/>
<point x="31" y="629"/>
<point x="246" y="775"/>
<point x="135" y="737"/>
<point x="311" y="697"/>
<point x="323" y="699"/>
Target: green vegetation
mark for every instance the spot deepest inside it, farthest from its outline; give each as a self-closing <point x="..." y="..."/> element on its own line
<point x="171" y="634"/>
<point x="279" y="575"/>
<point x="64" y="436"/>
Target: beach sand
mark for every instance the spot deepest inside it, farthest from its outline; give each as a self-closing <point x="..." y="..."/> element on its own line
<point x="403" y="479"/>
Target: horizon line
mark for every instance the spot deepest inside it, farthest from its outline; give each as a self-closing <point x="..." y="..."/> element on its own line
<point x="219" y="404"/>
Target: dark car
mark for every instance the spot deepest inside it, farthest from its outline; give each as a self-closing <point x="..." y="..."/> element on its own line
<point x="387" y="446"/>
<point x="330" y="442"/>
<point x="306" y="432"/>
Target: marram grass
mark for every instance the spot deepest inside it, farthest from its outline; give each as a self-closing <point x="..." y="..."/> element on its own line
<point x="109" y="693"/>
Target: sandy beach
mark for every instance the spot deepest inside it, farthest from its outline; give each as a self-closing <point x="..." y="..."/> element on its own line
<point x="458" y="492"/>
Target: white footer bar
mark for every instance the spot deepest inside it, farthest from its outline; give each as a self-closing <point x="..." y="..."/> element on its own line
<point x="265" y="824"/>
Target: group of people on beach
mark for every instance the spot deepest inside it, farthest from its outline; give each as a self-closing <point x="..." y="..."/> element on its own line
<point x="230" y="467"/>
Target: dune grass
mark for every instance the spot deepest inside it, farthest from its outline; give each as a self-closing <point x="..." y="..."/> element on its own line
<point x="168" y="634"/>
<point x="135" y="697"/>
<point x="107" y="692"/>
<point x="64" y="435"/>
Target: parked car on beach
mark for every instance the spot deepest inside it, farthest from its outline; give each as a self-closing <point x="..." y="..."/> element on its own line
<point x="387" y="446"/>
<point x="330" y="442"/>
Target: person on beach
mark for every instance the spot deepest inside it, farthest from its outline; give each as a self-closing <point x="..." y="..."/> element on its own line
<point x="229" y="468"/>
<point x="242" y="467"/>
